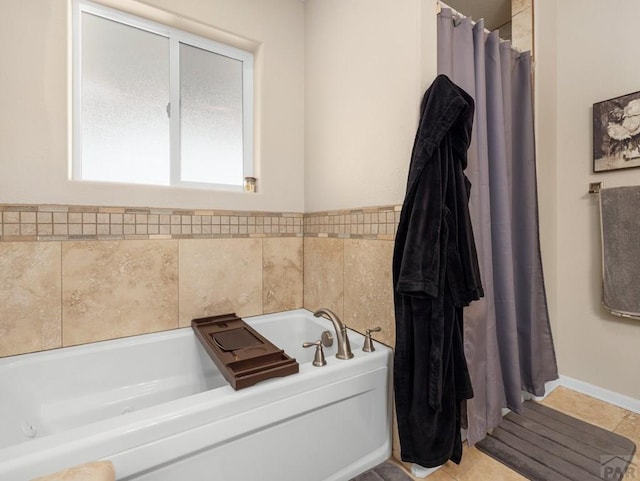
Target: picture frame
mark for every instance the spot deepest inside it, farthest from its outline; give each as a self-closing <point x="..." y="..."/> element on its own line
<point x="616" y="133"/>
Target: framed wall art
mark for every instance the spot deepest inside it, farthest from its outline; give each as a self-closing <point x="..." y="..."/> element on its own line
<point x="616" y="133"/>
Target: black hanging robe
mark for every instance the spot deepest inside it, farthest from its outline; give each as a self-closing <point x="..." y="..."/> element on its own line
<point x="435" y="274"/>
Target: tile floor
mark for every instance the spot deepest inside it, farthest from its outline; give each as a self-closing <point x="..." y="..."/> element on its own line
<point x="477" y="466"/>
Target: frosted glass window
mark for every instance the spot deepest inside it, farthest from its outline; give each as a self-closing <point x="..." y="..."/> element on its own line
<point x="156" y="105"/>
<point x="211" y="115"/>
<point x="125" y="92"/>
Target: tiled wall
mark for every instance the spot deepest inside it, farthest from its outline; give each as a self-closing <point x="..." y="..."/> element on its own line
<point x="368" y="223"/>
<point x="71" y="275"/>
<point x="347" y="266"/>
<point x="522" y="24"/>
<point x="60" y="222"/>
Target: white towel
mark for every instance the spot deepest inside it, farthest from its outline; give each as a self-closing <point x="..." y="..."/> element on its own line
<point x="620" y="225"/>
<point x="95" y="471"/>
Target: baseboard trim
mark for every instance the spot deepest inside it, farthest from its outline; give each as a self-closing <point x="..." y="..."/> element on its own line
<point x="611" y="397"/>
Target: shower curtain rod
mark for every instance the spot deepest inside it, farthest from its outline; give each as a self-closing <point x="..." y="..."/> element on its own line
<point x="440" y="5"/>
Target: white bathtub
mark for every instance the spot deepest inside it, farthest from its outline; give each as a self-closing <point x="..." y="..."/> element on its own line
<point x="156" y="406"/>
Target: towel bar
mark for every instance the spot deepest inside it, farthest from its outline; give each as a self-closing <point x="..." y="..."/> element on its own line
<point x="594" y="187"/>
<point x="621" y="314"/>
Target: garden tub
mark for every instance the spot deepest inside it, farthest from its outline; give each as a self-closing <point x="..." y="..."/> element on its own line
<point x="157" y="407"/>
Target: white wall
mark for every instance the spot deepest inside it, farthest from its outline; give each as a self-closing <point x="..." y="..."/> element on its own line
<point x="596" y="60"/>
<point x="34" y="98"/>
<point x="367" y="64"/>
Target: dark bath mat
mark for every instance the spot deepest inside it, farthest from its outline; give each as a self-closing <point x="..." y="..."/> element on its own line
<point x="386" y="471"/>
<point x="543" y="444"/>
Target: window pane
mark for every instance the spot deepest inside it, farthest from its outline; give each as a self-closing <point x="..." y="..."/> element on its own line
<point x="125" y="92"/>
<point x="211" y="113"/>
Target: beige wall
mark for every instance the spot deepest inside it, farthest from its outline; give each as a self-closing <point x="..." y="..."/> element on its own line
<point x="367" y="63"/>
<point x="593" y="60"/>
<point x="546" y="125"/>
<point x="34" y="97"/>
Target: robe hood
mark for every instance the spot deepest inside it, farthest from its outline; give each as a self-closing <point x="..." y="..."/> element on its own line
<point x="453" y="108"/>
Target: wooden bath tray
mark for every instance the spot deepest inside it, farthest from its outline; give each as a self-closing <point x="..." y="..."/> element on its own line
<point x="243" y="356"/>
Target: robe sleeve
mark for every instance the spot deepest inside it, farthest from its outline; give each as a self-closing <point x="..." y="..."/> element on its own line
<point x="421" y="260"/>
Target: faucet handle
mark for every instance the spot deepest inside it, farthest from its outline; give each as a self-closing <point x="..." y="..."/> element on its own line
<point x="318" y="358"/>
<point x="368" y="344"/>
<point x="327" y="338"/>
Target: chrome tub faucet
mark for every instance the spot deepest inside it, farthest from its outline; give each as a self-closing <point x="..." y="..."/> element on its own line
<point x="344" y="348"/>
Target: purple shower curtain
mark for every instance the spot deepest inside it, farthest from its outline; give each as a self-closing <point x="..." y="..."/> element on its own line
<point x="508" y="341"/>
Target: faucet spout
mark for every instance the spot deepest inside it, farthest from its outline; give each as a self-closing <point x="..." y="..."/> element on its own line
<point x="342" y="339"/>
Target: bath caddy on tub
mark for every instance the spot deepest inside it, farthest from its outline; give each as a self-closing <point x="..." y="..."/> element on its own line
<point x="243" y="356"/>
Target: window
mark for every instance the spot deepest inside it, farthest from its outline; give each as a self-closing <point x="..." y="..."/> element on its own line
<point x="155" y="105"/>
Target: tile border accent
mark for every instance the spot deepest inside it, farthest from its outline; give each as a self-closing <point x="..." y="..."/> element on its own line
<point x="48" y="222"/>
<point x="366" y="223"/>
<point x="71" y="223"/>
